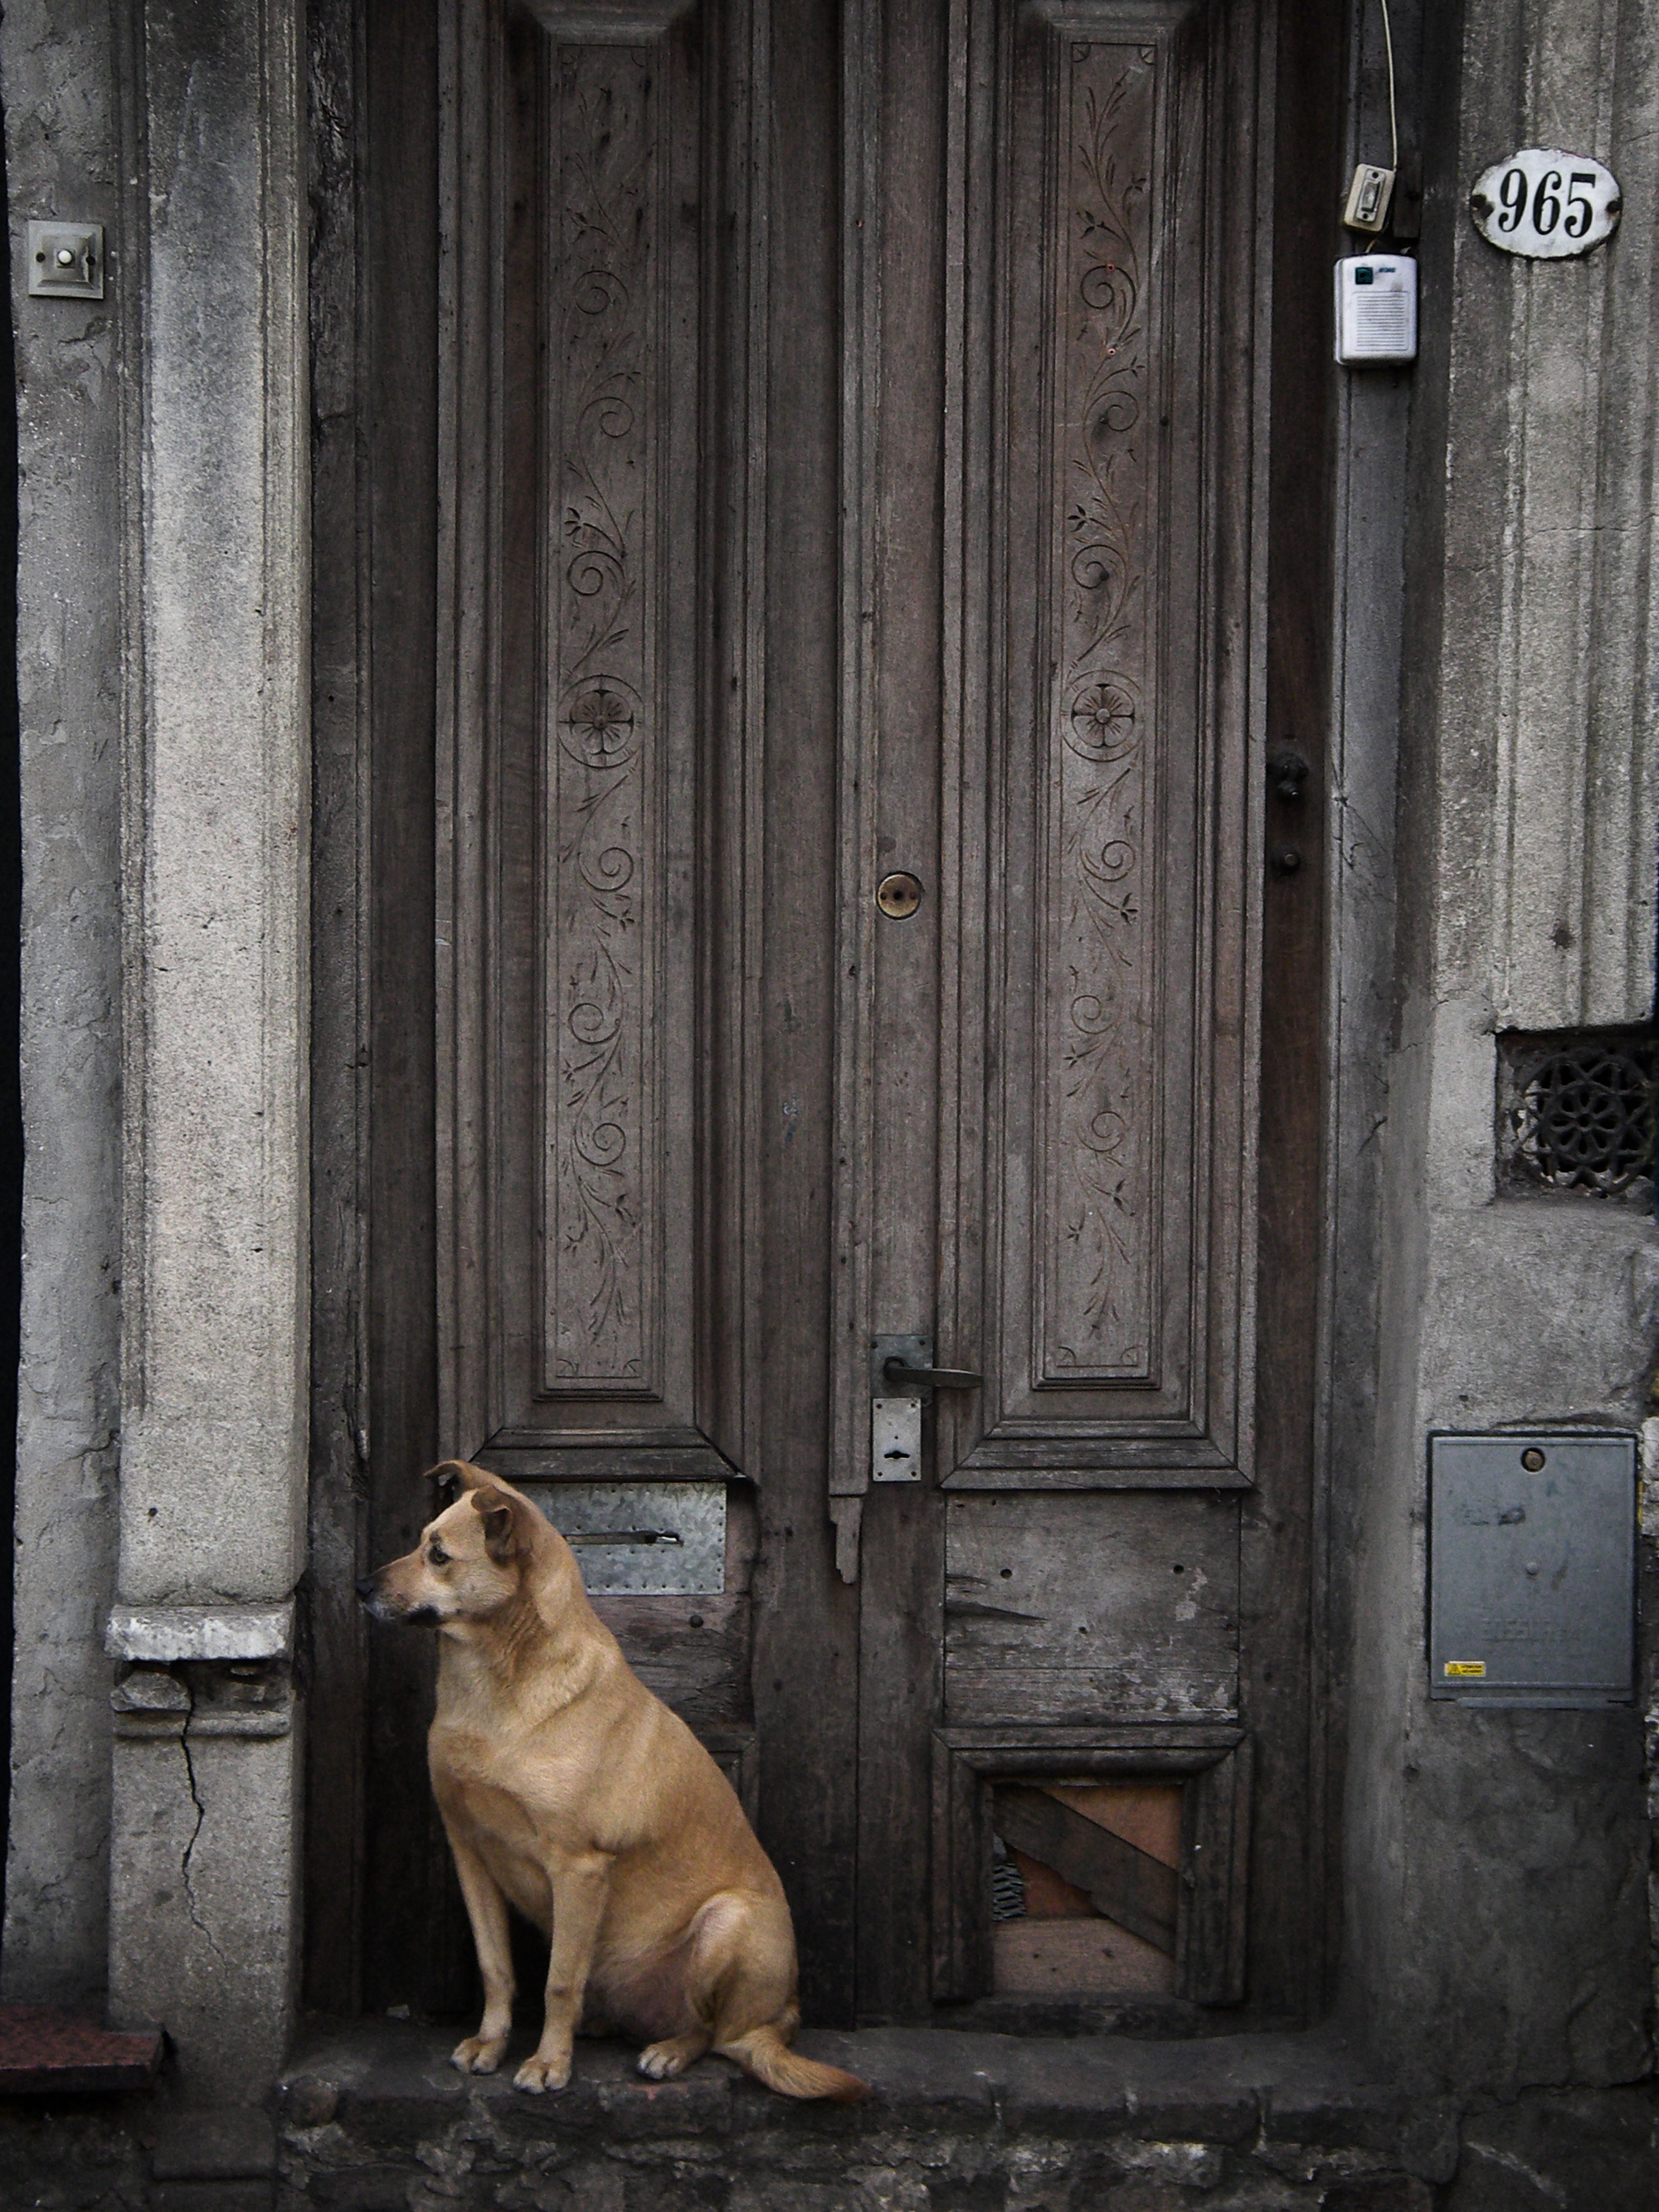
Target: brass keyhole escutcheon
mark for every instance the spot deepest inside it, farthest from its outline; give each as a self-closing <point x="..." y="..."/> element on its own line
<point x="899" y="896"/>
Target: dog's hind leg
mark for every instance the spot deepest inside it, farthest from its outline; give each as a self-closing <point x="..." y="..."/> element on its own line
<point x="662" y="2062"/>
<point x="486" y="1908"/>
<point x="756" y="2013"/>
<point x="712" y="1952"/>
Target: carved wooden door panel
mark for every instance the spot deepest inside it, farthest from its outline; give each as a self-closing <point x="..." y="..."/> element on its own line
<point x="854" y="458"/>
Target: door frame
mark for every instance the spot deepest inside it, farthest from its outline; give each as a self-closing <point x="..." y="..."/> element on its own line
<point x="376" y="1343"/>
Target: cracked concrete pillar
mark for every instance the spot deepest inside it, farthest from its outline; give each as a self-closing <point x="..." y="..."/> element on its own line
<point x="204" y="1879"/>
<point x="208" y="1753"/>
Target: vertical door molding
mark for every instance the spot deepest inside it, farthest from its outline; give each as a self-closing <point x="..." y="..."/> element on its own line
<point x="855" y="777"/>
<point x="599" y="681"/>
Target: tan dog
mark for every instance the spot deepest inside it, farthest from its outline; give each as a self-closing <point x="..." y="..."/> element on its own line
<point x="568" y="1790"/>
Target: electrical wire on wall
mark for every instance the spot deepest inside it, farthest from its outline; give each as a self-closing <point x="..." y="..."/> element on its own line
<point x="1374" y="196"/>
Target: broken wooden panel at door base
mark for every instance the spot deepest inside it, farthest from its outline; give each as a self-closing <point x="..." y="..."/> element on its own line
<point x="1093" y="1907"/>
<point x="1116" y="1876"/>
<point x="984" y="1776"/>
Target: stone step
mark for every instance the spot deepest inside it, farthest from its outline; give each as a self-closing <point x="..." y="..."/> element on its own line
<point x="370" y="2114"/>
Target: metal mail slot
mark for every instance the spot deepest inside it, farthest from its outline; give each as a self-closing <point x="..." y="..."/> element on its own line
<point x="641" y="1539"/>
<point x="1532" y="1569"/>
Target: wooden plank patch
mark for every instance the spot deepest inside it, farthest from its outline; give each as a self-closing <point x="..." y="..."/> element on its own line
<point x="1073" y="1609"/>
<point x="1070" y="1958"/>
<point x="1126" y="1884"/>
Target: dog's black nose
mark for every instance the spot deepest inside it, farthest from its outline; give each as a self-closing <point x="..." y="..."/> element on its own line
<point x="366" y="1587"/>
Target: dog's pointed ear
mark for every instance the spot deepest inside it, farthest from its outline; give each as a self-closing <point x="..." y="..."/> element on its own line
<point x="448" y="1481"/>
<point x="500" y="1516"/>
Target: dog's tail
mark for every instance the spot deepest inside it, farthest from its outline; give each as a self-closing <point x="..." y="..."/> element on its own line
<point x="765" y="2054"/>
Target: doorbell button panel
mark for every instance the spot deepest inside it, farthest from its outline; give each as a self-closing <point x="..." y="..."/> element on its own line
<point x="1369" y="196"/>
<point x="66" y="260"/>
<point x="1376" y="309"/>
<point x="1532" y="1569"/>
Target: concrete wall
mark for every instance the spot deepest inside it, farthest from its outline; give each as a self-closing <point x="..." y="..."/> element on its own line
<point x="164" y="656"/>
<point x="1497" y="1913"/>
<point x="57" y="77"/>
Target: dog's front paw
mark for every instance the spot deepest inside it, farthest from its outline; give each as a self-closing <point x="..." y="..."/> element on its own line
<point x="538" y="2074"/>
<point x="478" y="2054"/>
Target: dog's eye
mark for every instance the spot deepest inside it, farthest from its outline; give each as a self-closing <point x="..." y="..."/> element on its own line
<point x="439" y="1557"/>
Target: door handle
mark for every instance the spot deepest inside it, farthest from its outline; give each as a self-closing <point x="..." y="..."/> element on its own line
<point x="901" y="1378"/>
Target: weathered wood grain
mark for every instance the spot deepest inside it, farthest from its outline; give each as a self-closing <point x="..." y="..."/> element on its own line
<point x="1078" y="1607"/>
<point x="693" y="1652"/>
<point x="806" y="1624"/>
<point x="1295" y="1879"/>
<point x="415" y="1946"/>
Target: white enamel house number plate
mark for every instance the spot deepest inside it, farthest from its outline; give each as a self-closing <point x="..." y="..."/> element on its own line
<point x="1546" y="204"/>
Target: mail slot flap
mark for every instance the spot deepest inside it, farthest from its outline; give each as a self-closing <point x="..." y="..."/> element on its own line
<point x="1532" y="1568"/>
<point x="641" y="1539"/>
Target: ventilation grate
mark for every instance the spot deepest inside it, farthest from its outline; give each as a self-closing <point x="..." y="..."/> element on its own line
<point x="1576" y="1112"/>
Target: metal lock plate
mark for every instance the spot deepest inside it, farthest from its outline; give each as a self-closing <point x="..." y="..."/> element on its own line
<point x="1532" y="1569"/>
<point x="641" y="1539"/>
<point x="894" y="1422"/>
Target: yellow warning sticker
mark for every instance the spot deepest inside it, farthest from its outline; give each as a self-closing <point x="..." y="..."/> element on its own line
<point x="1475" y="1666"/>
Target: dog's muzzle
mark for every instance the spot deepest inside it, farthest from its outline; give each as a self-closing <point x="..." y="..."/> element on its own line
<point x="374" y="1604"/>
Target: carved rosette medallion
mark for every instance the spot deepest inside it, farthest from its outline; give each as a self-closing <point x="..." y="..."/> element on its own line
<point x="1096" y="1318"/>
<point x="602" y="879"/>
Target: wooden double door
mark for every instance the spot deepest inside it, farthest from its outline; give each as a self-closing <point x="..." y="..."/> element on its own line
<point x="872" y="553"/>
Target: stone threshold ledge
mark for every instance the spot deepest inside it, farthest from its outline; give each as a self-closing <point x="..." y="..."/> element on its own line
<point x="373" y="2116"/>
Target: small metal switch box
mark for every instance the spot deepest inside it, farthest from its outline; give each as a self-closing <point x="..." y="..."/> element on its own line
<point x="66" y="260"/>
<point x="1532" y="1569"/>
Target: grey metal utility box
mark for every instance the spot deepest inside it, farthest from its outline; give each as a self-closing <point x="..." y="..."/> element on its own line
<point x="1532" y="1569"/>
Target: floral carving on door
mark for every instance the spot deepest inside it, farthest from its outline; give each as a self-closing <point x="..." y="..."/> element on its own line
<point x="600" y="890"/>
<point x="1099" y="1318"/>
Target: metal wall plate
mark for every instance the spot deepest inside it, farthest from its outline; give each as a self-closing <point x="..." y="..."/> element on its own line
<point x="1532" y="1569"/>
<point x="641" y="1539"/>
